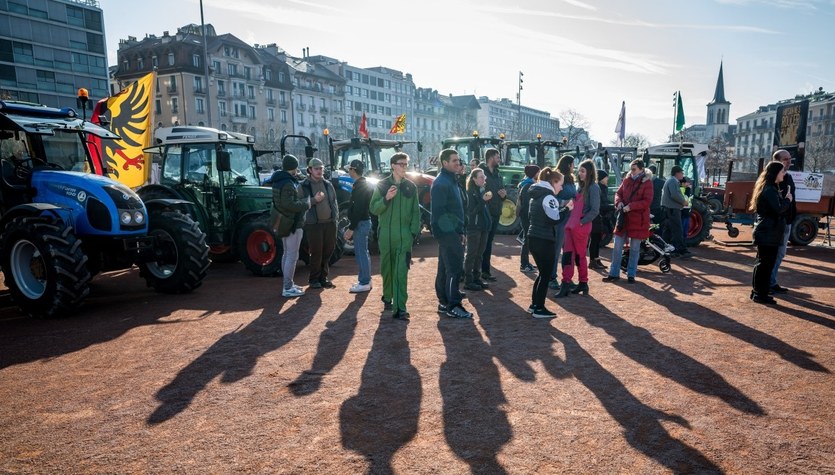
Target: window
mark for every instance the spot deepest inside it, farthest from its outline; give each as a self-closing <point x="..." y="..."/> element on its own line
<point x="251" y="112"/>
<point x="198" y="84"/>
<point x="268" y="74"/>
<point x="282" y="97"/>
<point x="284" y="116"/>
<point x="271" y="115"/>
<point x="198" y="105"/>
<point x="221" y="107"/>
<point x="172" y="84"/>
<point x="215" y="66"/>
<point x="155" y="61"/>
<point x="247" y="72"/>
<point x="157" y="107"/>
<point x="171" y="59"/>
<point x="195" y="60"/>
<point x="250" y="92"/>
<point x="140" y="64"/>
<point x="232" y="69"/>
<point x="174" y="105"/>
<point x="280" y="76"/>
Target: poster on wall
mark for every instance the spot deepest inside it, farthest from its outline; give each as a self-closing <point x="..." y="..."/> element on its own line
<point x="790" y="131"/>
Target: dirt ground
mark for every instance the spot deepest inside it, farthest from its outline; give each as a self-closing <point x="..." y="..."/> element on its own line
<point x="677" y="373"/>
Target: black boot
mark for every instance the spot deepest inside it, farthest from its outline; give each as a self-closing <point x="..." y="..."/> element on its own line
<point x="565" y="289"/>
<point x="582" y="288"/>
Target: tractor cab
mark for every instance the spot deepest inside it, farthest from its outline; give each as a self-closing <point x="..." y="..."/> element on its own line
<point x="470" y="148"/>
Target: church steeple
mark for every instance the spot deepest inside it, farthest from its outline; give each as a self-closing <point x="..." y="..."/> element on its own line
<point x="719" y="95"/>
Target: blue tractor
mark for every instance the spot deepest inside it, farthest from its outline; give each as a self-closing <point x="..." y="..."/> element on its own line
<point x="60" y="223"/>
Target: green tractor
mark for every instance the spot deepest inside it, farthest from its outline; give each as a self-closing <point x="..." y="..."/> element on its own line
<point x="664" y="157"/>
<point x="517" y="155"/>
<point x="217" y="172"/>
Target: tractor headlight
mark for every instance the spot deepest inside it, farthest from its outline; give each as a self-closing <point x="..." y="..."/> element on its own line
<point x="125" y="218"/>
<point x="138" y="217"/>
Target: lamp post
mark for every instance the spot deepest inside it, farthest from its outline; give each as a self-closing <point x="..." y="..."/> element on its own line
<point x="205" y="67"/>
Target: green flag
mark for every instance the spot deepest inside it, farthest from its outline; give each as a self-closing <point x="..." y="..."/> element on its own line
<point x="679" y="116"/>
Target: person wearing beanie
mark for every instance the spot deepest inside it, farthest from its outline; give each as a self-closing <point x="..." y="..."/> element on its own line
<point x="603" y="223"/>
<point x="287" y="219"/>
<point x="320" y="223"/>
<point x="522" y="205"/>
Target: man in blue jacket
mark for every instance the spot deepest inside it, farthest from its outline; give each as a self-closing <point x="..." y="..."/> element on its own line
<point x="448" y="229"/>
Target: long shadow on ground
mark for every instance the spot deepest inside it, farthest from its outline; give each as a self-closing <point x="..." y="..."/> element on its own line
<point x="234" y="356"/>
<point x="475" y="425"/>
<point x="641" y="346"/>
<point x="333" y="342"/>
<point x="383" y="416"/>
<point x="640" y="423"/>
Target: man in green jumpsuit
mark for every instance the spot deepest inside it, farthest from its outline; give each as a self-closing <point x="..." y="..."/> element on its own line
<point x="395" y="202"/>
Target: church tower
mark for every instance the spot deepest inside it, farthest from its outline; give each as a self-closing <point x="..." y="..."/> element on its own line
<point x="717" y="111"/>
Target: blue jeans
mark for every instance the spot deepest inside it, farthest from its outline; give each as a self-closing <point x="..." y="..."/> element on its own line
<point x="361" y="251"/>
<point x="617" y="255"/>
<point x="781" y="253"/>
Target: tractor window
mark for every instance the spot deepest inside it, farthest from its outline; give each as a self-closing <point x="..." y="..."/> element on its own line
<point x="688" y="165"/>
<point x="171" y="171"/>
<point x="349" y="154"/>
<point x="243" y="166"/>
<point x="385" y="159"/>
<point x="198" y="160"/>
<point x="14" y="146"/>
<point x="551" y="154"/>
<point x="519" y="156"/>
<point x="66" y="150"/>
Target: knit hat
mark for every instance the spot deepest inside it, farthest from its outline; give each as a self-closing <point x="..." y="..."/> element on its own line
<point x="601" y="175"/>
<point x="289" y="162"/>
<point x="531" y="171"/>
<point x="357" y="165"/>
<point x="315" y="163"/>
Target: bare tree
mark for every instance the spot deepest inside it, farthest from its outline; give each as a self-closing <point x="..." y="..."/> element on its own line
<point x="575" y="125"/>
<point x="462" y="125"/>
<point x="720" y="153"/>
<point x="633" y="140"/>
<point x="820" y="154"/>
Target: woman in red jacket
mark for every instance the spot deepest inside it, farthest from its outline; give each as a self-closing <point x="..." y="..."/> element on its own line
<point x="633" y="198"/>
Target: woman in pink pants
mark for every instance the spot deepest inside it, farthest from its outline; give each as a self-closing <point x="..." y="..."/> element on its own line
<point x="578" y="229"/>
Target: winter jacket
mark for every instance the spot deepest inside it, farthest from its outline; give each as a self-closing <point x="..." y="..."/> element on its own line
<point x="787" y="186"/>
<point x="671" y="195"/>
<point x="494" y="184"/>
<point x="770" y="224"/>
<point x="544" y="212"/>
<point x="604" y="221"/>
<point x="287" y="214"/>
<point x="569" y="191"/>
<point x="523" y="197"/>
<point x="446" y="205"/>
<point x="361" y="193"/>
<point x="330" y="196"/>
<point x="591" y="207"/>
<point x="478" y="218"/>
<point x="399" y="218"/>
<point x="637" y="193"/>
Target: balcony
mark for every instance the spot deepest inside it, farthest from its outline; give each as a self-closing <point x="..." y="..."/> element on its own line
<point x="221" y="93"/>
<point x="323" y="110"/>
<point x="283" y="104"/>
<point x="200" y="90"/>
<point x="174" y="110"/>
<point x="238" y="94"/>
<point x="270" y="102"/>
<point x="312" y="109"/>
<point x="223" y="113"/>
<point x="172" y="89"/>
<point x="302" y="107"/>
<point x="239" y="119"/>
<point x="251" y="98"/>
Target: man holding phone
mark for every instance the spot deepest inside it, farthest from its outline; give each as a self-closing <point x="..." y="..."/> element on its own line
<point x="395" y="202"/>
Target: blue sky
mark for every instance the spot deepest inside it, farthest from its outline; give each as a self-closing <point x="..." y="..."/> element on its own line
<point x="586" y="55"/>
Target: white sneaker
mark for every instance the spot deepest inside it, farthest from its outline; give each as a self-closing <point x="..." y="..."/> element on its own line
<point x="292" y="292"/>
<point x="357" y="288"/>
<point x="300" y="289"/>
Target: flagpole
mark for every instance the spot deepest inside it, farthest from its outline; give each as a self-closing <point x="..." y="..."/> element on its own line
<point x="205" y="67"/>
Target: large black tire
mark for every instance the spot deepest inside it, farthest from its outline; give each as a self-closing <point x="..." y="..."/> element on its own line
<point x="804" y="230"/>
<point x="181" y="256"/>
<point x="44" y="266"/>
<point x="259" y="248"/>
<point x="509" y="222"/>
<point x="715" y="204"/>
<point x="701" y="221"/>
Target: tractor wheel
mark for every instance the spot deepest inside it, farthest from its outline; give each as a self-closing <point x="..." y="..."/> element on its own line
<point x="804" y="230"/>
<point x="181" y="256"/>
<point x="44" y="266"/>
<point x="509" y="223"/>
<point x="222" y="254"/>
<point x="715" y="205"/>
<point x="259" y="249"/>
<point x="701" y="221"/>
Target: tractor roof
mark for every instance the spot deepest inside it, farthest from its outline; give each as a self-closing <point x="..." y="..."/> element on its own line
<point x="37" y="119"/>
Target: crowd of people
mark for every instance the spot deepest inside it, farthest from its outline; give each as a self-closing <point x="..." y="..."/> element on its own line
<point x="564" y="214"/>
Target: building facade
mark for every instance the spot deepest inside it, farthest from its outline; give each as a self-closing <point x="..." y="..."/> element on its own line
<point x="514" y="121"/>
<point x="51" y="48"/>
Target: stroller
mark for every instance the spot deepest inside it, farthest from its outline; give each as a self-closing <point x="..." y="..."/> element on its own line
<point x="653" y="248"/>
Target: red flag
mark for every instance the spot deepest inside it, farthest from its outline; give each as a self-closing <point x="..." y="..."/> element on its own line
<point x="363" y="126"/>
<point x="399" y="126"/>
